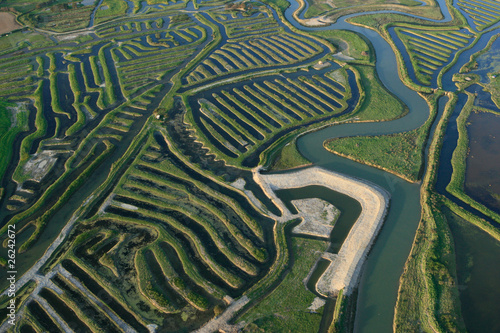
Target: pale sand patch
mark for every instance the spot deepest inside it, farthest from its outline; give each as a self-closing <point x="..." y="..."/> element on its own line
<point x="39" y="165"/>
<point x="316" y="304"/>
<point x="72" y="35"/>
<point x="126" y="206"/>
<point x="318" y="217"/>
<point x="319" y="21"/>
<point x="341" y="56"/>
<point x="220" y="323"/>
<point x="344" y="271"/>
<point x="8" y="23"/>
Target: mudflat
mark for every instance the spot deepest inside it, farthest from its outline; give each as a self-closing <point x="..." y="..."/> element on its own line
<point x="8" y="23"/>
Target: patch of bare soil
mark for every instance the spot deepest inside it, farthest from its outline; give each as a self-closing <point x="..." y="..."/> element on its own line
<point x="8" y="23"/>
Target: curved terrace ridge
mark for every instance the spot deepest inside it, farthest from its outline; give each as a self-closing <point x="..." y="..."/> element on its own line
<point x="345" y="268"/>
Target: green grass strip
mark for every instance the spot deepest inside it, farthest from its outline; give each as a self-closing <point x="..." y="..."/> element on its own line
<point x="80" y="120"/>
<point x="95" y="70"/>
<point x="41" y="129"/>
<point x="111" y="98"/>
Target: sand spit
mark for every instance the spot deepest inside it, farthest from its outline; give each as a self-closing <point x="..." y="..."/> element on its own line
<point x="344" y="271"/>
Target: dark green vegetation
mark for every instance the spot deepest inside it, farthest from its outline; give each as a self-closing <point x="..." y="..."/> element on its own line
<point x="11" y="124"/>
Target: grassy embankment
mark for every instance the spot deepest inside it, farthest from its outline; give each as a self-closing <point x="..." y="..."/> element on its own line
<point x="271" y="120"/>
<point x="429" y="59"/>
<point x="428" y="296"/>
<point x="263" y="36"/>
<point x="155" y="63"/>
<point x="76" y="89"/>
<point x="430" y="270"/>
<point x="313" y="36"/>
<point x="459" y="163"/>
<point x="399" y="153"/>
<point x="115" y="169"/>
<point x="285" y="309"/>
<point x="189" y="268"/>
<point x="40" y="130"/>
<point x="239" y="93"/>
<point x="13" y="120"/>
<point x="42" y="218"/>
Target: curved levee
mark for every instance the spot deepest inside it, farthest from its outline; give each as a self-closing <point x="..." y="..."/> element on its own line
<point x="380" y="278"/>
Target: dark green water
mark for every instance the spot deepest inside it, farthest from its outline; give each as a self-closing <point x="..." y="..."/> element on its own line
<point x="482" y="177"/>
<point x="478" y="274"/>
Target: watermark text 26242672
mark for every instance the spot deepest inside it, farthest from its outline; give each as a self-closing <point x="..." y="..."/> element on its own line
<point x="11" y="274"/>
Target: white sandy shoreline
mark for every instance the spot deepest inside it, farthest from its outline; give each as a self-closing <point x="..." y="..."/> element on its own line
<point x="345" y="269"/>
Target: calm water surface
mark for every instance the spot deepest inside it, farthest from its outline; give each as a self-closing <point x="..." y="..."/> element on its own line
<point x="478" y="275"/>
<point x="482" y="179"/>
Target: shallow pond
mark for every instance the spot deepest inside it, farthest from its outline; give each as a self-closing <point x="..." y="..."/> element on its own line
<point x="482" y="178"/>
<point x="478" y="274"/>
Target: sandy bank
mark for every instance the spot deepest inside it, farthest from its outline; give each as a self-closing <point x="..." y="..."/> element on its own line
<point x="344" y="271"/>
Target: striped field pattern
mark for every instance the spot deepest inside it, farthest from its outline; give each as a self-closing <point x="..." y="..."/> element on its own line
<point x="481" y="13"/>
<point x="257" y="41"/>
<point x="238" y="120"/>
<point x="430" y="51"/>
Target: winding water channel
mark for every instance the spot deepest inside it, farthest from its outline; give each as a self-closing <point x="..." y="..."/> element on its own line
<point x="380" y="279"/>
<point x="379" y="282"/>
